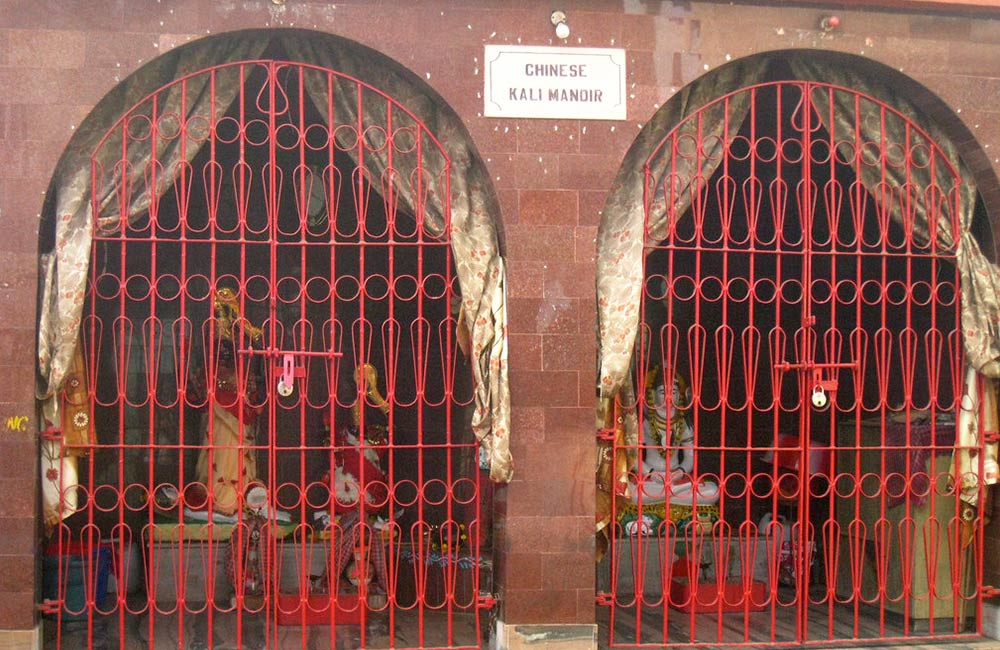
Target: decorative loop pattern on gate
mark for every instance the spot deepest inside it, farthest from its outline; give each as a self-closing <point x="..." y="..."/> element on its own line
<point x="799" y="371"/>
<point x="277" y="376"/>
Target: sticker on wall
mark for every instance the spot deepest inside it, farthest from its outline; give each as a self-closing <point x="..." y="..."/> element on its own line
<point x="554" y="82"/>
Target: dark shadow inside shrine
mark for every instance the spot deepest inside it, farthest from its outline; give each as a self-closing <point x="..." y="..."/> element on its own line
<point x="785" y="277"/>
<point x="333" y="284"/>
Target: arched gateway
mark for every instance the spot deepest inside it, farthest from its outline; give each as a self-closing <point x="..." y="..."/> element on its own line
<point x="788" y="245"/>
<point x="272" y="357"/>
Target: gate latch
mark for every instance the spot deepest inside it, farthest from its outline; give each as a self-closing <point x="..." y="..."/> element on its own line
<point x="821" y="387"/>
<point x="49" y="606"/>
<point x="289" y="371"/>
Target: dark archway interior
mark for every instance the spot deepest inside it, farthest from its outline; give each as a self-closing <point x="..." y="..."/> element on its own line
<point x="745" y="285"/>
<point x="348" y="278"/>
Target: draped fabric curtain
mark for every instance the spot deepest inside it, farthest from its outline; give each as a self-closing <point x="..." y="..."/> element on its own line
<point x="132" y="181"/>
<point x="398" y="153"/>
<point x="641" y="208"/>
<point x="929" y="190"/>
<point x="127" y="182"/>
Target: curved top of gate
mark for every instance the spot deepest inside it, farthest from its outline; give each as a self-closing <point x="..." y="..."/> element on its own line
<point x="467" y="204"/>
<point x="704" y="108"/>
<point x="135" y="110"/>
<point x="151" y="145"/>
<point x="899" y="163"/>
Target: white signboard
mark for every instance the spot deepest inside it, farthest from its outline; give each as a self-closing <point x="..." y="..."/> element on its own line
<point x="580" y="83"/>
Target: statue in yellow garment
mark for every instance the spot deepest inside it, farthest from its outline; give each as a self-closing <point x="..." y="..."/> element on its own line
<point x="227" y="464"/>
<point x="666" y="461"/>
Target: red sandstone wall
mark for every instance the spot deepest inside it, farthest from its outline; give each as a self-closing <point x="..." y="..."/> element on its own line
<point x="58" y="57"/>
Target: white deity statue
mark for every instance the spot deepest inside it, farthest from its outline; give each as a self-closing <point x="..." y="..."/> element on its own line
<point x="665" y="467"/>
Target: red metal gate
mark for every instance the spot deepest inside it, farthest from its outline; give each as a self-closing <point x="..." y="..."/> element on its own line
<point x="802" y="299"/>
<point x="280" y="452"/>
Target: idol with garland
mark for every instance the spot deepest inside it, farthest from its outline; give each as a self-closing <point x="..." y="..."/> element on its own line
<point x="360" y="490"/>
<point x="664" y="472"/>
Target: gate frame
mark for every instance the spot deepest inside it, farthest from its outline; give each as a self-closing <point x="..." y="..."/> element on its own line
<point x="617" y="410"/>
<point x="469" y="227"/>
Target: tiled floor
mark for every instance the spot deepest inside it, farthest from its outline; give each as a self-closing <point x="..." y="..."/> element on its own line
<point x="822" y="624"/>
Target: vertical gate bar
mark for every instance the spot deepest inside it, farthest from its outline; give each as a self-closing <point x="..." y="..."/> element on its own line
<point x="304" y="541"/>
<point x="208" y="363"/>
<point x="832" y="209"/>
<point x="451" y="567"/>
<point x="861" y="350"/>
<point x="361" y="352"/>
<point x="934" y="402"/>
<point x="273" y="198"/>
<point x="242" y="229"/>
<point x="722" y="359"/>
<point x="985" y="500"/>
<point x="777" y="222"/>
<point x="750" y="361"/>
<point x="332" y="212"/>
<point x="905" y="541"/>
<point x="670" y="536"/>
<point x="800" y="551"/>
<point x="304" y="195"/>
<point x="420" y="560"/>
<point x="696" y="358"/>
<point x="885" y="362"/>
<point x="148" y="348"/>
<point x="180" y="368"/>
<point x="390" y="598"/>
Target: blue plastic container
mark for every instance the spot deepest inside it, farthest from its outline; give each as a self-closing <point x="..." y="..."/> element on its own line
<point x="74" y="576"/>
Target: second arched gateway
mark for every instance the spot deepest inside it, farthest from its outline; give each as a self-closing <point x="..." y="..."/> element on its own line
<point x="785" y="278"/>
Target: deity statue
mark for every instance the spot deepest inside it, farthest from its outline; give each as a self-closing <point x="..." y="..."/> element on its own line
<point x="227" y="463"/>
<point x="666" y="464"/>
<point x="360" y="489"/>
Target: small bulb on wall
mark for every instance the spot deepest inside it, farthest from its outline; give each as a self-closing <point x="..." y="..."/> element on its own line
<point x="829" y="23"/>
<point x="558" y="19"/>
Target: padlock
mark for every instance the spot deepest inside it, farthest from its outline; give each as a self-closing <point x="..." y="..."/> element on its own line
<point x="818" y="397"/>
<point x="286" y="383"/>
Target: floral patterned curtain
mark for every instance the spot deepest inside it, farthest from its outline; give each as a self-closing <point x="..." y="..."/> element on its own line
<point x="140" y="178"/>
<point x="129" y="180"/>
<point x="676" y="177"/>
<point x="401" y="158"/>
<point x="931" y="190"/>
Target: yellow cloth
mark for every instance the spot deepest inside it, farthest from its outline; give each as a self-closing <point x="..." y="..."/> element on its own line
<point x="233" y="463"/>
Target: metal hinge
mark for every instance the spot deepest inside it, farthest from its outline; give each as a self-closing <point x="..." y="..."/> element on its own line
<point x="486" y="601"/>
<point x="990" y="592"/>
<point x="49" y="606"/>
<point x="53" y="434"/>
<point x="991" y="436"/>
<point x="606" y="435"/>
<point x="604" y="599"/>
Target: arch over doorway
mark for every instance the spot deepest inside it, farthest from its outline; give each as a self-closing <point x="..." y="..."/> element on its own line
<point x="256" y="238"/>
<point x="474" y="218"/>
<point x="728" y="184"/>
